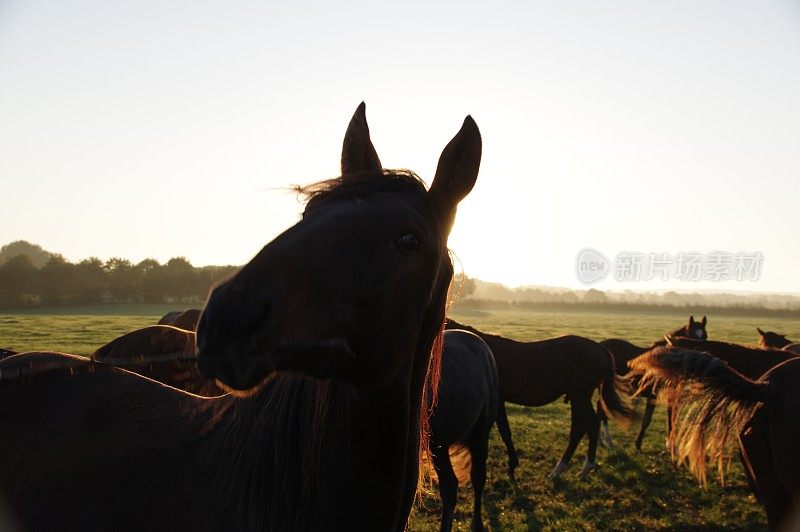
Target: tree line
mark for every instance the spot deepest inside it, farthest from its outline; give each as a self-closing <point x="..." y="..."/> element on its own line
<point x="92" y="281"/>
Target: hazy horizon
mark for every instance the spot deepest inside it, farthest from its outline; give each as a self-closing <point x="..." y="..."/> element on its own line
<point x="155" y="130"/>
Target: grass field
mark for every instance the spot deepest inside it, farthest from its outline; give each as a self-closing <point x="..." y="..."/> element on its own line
<point x="629" y="491"/>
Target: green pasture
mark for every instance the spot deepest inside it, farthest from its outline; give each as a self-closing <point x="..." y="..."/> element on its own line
<point x="630" y="491"/>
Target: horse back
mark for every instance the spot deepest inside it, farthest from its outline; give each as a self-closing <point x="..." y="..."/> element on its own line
<point x="624" y="351"/>
<point x="538" y="373"/>
<point x="468" y="389"/>
<point x="127" y="450"/>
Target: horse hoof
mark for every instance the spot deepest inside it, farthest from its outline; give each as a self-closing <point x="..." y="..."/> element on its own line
<point x="560" y="468"/>
<point x="588" y="467"/>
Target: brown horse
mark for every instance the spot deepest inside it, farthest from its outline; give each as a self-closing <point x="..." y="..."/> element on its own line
<point x="163" y="353"/>
<point x="794" y="347"/>
<point x="462" y="419"/>
<point x="722" y="405"/>
<point x="333" y="331"/>
<point x="538" y="373"/>
<point x="183" y="319"/>
<point x="749" y="361"/>
<point x="624" y="351"/>
<point x="771" y="339"/>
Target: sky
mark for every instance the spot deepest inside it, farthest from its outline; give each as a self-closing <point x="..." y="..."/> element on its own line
<point x="162" y="129"/>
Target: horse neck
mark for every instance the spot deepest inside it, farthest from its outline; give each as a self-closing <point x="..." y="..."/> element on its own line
<point x="311" y="454"/>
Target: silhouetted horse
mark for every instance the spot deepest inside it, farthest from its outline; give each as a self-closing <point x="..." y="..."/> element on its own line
<point x="793" y="348"/>
<point x="463" y="417"/>
<point x="717" y="404"/>
<point x="538" y="373"/>
<point x="749" y="361"/>
<point x="624" y="351"/>
<point x="334" y="332"/>
<point x="163" y="353"/>
<point x="772" y="339"/>
<point x="183" y="319"/>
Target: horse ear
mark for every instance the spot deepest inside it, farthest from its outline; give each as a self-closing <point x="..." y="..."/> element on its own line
<point x="668" y="339"/>
<point x="703" y="323"/>
<point x="760" y="332"/>
<point x="457" y="171"/>
<point x="691" y="319"/>
<point x="358" y="153"/>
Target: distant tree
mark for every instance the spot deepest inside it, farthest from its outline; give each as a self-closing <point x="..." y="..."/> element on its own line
<point x="19" y="282"/>
<point x="151" y="278"/>
<point x="595" y="296"/>
<point x="180" y="279"/>
<point x="91" y="280"/>
<point x="38" y="256"/>
<point x="58" y="284"/>
<point x="122" y="281"/>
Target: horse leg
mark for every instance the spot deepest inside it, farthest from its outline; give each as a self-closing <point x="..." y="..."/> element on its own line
<point x="576" y="432"/>
<point x="479" y="449"/>
<point x="606" y="436"/>
<point x="670" y="420"/>
<point x="757" y="458"/>
<point x="646" y="419"/>
<point x="592" y="432"/>
<point x="448" y="486"/>
<point x="505" y="433"/>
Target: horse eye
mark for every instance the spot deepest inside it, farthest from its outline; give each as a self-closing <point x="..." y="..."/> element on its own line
<point x="408" y="243"/>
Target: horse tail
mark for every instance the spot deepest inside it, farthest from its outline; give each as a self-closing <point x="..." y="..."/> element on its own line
<point x="712" y="403"/>
<point x="612" y="390"/>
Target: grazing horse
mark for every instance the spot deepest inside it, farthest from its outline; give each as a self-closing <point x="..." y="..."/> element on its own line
<point x="329" y="336"/>
<point x="538" y="373"/>
<point x="624" y="351"/>
<point x="722" y="405"/>
<point x="186" y="319"/>
<point x="163" y="353"/>
<point x="772" y="339"/>
<point x="463" y="417"/>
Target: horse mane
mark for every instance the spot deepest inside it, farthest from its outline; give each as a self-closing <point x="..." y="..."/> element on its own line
<point x="712" y="403"/>
<point x="360" y="184"/>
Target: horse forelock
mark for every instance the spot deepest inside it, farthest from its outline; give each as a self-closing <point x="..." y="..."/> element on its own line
<point x="359" y="185"/>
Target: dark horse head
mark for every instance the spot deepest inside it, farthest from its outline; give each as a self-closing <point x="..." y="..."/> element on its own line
<point x="771" y="339"/>
<point x="694" y="329"/>
<point x="356" y="287"/>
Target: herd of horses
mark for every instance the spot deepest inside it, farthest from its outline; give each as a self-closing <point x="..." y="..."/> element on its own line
<point x="322" y="377"/>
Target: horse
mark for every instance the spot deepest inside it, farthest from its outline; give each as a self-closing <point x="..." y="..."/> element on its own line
<point x="624" y="351"/>
<point x="724" y="405"/>
<point x="183" y="319"/>
<point x="462" y="418"/>
<point x="538" y="373"/>
<point x="772" y="339"/>
<point x="750" y="362"/>
<point x="328" y="339"/>
<point x="794" y="347"/>
<point x="163" y="353"/>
